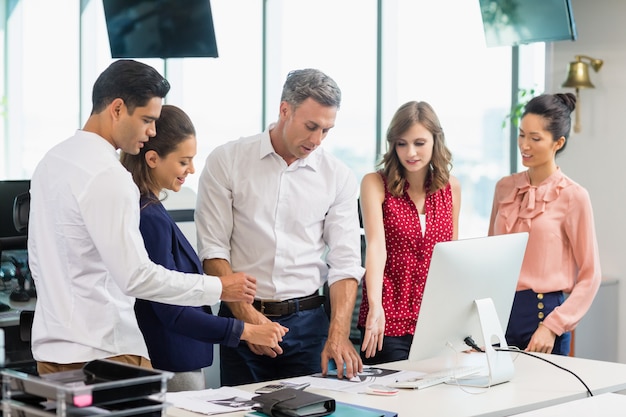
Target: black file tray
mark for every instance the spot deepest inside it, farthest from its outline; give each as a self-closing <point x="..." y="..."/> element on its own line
<point x="101" y="383"/>
<point x="137" y="408"/>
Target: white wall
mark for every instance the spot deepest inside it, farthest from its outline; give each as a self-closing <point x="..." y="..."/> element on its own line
<point x="594" y="157"/>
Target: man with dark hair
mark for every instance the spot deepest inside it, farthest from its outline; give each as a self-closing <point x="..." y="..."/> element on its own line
<point x="86" y="253"/>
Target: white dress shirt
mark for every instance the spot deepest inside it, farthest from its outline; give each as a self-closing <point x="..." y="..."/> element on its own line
<point x="292" y="227"/>
<point x="88" y="259"/>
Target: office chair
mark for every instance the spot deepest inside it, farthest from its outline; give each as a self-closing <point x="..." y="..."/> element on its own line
<point x="26" y="286"/>
<point x="26" y="324"/>
<point x="21" y="209"/>
<point x="20" y="357"/>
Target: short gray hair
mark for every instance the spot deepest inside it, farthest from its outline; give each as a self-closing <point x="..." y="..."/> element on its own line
<point x="304" y="83"/>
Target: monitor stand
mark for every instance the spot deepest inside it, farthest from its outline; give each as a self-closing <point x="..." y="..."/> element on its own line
<point x="499" y="364"/>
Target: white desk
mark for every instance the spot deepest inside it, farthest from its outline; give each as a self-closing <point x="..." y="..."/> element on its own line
<point x="536" y="385"/>
<point x="605" y="405"/>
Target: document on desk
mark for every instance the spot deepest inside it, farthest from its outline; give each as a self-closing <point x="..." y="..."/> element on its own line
<point x="212" y="401"/>
<point x="358" y="384"/>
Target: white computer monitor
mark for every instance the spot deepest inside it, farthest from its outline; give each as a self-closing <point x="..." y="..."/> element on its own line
<point x="462" y="272"/>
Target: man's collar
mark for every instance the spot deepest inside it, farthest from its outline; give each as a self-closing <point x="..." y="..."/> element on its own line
<point x="267" y="148"/>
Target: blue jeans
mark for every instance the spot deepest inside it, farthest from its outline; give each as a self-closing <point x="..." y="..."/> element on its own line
<point x="302" y="348"/>
<point x="525" y="319"/>
<point x="395" y="348"/>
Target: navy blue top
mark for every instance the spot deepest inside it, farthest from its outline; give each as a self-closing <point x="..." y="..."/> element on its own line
<point x="179" y="339"/>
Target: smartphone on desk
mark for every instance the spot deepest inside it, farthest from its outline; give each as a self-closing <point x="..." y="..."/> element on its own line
<point x="266" y="389"/>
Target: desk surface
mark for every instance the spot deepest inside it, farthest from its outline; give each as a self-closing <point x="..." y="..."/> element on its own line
<point x="535" y="385"/>
<point x="605" y="405"/>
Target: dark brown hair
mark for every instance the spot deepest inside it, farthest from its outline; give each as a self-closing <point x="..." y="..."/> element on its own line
<point x="172" y="128"/>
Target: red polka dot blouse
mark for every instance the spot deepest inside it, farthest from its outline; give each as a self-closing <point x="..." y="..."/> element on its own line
<point x="408" y="256"/>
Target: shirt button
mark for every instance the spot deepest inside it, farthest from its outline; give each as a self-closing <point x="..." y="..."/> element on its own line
<point x="540" y="315"/>
<point x="540" y="296"/>
<point x="540" y="306"/>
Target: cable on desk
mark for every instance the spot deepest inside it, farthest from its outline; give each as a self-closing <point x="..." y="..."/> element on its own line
<point x="470" y="342"/>
<point x="550" y="362"/>
<point x="475" y="389"/>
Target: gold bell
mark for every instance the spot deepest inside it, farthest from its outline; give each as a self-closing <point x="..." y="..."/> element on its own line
<point x="578" y="73"/>
<point x="578" y="77"/>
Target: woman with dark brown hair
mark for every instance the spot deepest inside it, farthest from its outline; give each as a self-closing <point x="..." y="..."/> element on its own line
<point x="562" y="252"/>
<point x="179" y="339"/>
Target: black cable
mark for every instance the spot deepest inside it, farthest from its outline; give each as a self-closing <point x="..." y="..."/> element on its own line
<point x="550" y="362"/>
<point x="470" y="342"/>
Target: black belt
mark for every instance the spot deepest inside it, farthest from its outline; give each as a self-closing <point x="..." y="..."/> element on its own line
<point x="283" y="308"/>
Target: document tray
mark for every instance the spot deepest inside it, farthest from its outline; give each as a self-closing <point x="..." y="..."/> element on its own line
<point x="98" y="383"/>
<point x="135" y="408"/>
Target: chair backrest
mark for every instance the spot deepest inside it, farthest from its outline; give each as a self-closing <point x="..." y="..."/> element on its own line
<point x="21" y="210"/>
<point x="26" y="324"/>
<point x="13" y="242"/>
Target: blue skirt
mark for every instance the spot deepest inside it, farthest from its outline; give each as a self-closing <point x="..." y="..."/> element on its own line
<point x="528" y="311"/>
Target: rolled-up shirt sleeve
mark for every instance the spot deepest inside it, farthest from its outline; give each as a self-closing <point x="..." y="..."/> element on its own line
<point x="342" y="233"/>
<point x="214" y="209"/>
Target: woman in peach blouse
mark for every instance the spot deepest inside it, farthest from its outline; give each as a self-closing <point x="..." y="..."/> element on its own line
<point x="562" y="253"/>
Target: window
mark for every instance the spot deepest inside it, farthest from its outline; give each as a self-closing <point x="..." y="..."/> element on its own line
<point x="446" y="63"/>
<point x="223" y="96"/>
<point x="300" y="35"/>
<point x="40" y="98"/>
<point x="426" y="53"/>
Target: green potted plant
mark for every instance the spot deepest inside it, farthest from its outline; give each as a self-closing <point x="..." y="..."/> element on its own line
<point x="524" y="95"/>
